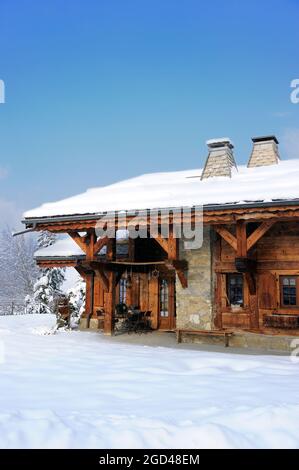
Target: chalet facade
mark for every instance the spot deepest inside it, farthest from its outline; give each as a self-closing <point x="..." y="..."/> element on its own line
<point x="243" y="281"/>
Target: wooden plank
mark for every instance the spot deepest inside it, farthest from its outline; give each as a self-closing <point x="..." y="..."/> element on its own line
<point x="227" y="236"/>
<point x="259" y="232"/>
<point x="101" y="274"/>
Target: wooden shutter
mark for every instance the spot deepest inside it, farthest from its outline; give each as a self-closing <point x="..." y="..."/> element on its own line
<point x="267" y="291"/>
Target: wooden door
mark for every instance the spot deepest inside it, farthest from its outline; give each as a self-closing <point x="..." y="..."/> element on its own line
<point x="166" y="320"/>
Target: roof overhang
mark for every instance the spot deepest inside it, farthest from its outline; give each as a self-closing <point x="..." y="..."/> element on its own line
<point x="217" y="209"/>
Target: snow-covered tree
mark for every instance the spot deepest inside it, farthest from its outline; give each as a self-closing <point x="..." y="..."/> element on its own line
<point x="76" y="298"/>
<point x="47" y="288"/>
<point x="18" y="270"/>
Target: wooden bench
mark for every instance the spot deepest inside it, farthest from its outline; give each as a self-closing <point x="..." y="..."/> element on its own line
<point x="225" y="334"/>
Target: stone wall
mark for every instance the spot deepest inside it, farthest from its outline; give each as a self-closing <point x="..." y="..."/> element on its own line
<point x="194" y="304"/>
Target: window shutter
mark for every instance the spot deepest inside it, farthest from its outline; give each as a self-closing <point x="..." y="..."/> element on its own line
<point x="267" y="291"/>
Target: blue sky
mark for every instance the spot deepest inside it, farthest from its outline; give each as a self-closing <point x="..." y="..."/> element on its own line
<point x="98" y="91"/>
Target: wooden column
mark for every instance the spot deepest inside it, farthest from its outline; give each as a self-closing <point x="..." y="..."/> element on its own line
<point x="89" y="295"/>
<point x="90" y="243"/>
<point x="241" y="239"/>
<point x="154" y="301"/>
<point x="109" y="300"/>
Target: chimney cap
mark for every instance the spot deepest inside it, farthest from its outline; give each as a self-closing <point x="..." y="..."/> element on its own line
<point x="265" y="138"/>
<point x="218" y="143"/>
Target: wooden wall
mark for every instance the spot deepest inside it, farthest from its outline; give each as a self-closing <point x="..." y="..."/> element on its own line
<point x="143" y="293"/>
<point x="276" y="254"/>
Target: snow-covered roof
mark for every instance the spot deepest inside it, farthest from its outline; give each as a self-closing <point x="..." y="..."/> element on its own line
<point x="67" y="248"/>
<point x="181" y="189"/>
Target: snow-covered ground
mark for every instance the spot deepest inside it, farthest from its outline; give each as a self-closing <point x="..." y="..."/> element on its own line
<point x="76" y="389"/>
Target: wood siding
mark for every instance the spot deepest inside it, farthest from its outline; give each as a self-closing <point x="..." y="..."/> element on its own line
<point x="276" y="254"/>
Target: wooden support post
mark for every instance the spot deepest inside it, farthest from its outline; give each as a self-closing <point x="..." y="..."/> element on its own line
<point x="163" y="242"/>
<point x="111" y="249"/>
<point x="109" y="299"/>
<point x="182" y="278"/>
<point x="259" y="233"/>
<point x="241" y="239"/>
<point x="81" y="241"/>
<point x="173" y="245"/>
<point x="99" y="244"/>
<point x="227" y="236"/>
<point x="131" y="253"/>
<point x="90" y="242"/>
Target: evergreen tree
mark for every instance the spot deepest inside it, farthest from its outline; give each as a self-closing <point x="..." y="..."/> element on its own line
<point x="76" y="298"/>
<point x="47" y="288"/>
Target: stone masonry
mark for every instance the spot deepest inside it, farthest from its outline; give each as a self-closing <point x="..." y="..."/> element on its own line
<point x="265" y="152"/>
<point x="220" y="160"/>
<point x="194" y="304"/>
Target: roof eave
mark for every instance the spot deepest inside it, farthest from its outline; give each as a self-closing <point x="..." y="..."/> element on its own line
<point x="208" y="207"/>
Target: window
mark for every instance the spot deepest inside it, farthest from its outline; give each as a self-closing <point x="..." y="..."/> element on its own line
<point x="289" y="291"/>
<point x="164" y="298"/>
<point x="122" y="291"/>
<point x="235" y="289"/>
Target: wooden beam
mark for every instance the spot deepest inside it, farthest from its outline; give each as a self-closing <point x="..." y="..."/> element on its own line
<point x="99" y="245"/>
<point x="163" y="242"/>
<point x="227" y="236"/>
<point x="259" y="233"/>
<point x="182" y="278"/>
<point x="111" y="249"/>
<point x="52" y="263"/>
<point x="81" y="241"/>
<point x="90" y="242"/>
<point x="81" y="271"/>
<point x="241" y="239"/>
<point x="173" y="247"/>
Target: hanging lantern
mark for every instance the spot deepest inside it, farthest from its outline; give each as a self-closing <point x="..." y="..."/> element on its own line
<point x="155" y="273"/>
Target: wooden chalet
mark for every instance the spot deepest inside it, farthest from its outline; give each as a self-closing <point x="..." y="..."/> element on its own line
<point x="244" y="280"/>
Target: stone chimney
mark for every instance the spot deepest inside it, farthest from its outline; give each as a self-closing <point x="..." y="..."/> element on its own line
<point x="265" y="151"/>
<point x="220" y="159"/>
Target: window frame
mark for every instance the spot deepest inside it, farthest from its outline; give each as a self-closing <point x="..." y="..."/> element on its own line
<point x="281" y="279"/>
<point x="164" y="298"/>
<point x="228" y="277"/>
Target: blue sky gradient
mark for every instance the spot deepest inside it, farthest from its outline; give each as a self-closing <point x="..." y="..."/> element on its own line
<point x="98" y="91"/>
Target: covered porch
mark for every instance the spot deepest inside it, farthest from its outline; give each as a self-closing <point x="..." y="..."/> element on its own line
<point x="124" y="274"/>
